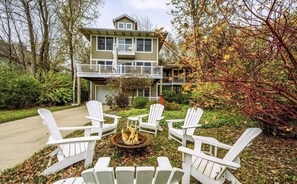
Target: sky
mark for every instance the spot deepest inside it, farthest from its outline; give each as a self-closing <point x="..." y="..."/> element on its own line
<point x="156" y="10"/>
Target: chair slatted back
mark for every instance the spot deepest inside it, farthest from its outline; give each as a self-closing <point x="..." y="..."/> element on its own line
<point x="125" y="175"/>
<point x="95" y="110"/>
<point x="192" y="118"/>
<point x="244" y="140"/>
<point x="105" y="175"/>
<point x="156" y="111"/>
<point x="162" y="175"/>
<point x="144" y="175"/>
<point x="50" y="123"/>
<point x="88" y="176"/>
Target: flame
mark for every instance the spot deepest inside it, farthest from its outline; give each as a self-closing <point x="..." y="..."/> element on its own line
<point x="132" y="139"/>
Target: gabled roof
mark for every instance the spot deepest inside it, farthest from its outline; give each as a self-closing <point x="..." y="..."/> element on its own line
<point x="125" y="16"/>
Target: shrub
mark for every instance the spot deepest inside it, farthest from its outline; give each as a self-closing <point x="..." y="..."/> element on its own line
<point x="56" y="88"/>
<point x="172" y="96"/>
<point x="140" y="102"/>
<point x="18" y="89"/>
<point x="117" y="101"/>
<point x="207" y="95"/>
<point x="151" y="102"/>
<point x="121" y="100"/>
<point x="173" y="106"/>
<point x="85" y="91"/>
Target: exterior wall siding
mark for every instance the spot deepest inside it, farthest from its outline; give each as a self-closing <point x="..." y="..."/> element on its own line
<point x="108" y="55"/>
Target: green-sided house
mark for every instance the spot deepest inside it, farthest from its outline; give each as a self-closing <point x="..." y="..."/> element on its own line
<point x="120" y="51"/>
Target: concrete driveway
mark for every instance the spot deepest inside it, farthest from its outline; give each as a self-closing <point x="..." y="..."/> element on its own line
<point x="20" y="139"/>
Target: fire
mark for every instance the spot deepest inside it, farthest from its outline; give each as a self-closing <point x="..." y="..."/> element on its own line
<point x="132" y="138"/>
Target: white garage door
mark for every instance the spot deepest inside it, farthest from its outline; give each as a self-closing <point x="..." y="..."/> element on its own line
<point x="101" y="92"/>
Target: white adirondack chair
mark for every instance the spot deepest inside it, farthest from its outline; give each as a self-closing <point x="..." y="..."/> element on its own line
<point x="71" y="150"/>
<point x="211" y="169"/>
<point x="154" y="117"/>
<point x="190" y="124"/>
<point x="96" y="116"/>
<point x="102" y="174"/>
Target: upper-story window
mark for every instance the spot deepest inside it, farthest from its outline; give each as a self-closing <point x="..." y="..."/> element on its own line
<point x="125" y="44"/>
<point x="144" y="45"/>
<point x="129" y="26"/>
<point x="121" y="25"/>
<point x="105" y="43"/>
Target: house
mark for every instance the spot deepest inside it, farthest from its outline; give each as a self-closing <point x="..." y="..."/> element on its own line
<point x="121" y="51"/>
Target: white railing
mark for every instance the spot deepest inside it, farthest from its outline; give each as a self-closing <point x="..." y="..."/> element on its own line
<point x="125" y="48"/>
<point x="87" y="70"/>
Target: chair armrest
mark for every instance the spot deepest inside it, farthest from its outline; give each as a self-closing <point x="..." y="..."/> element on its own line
<point x="211" y="141"/>
<point x="74" y="140"/>
<point x="142" y="116"/>
<point x="76" y="128"/>
<point x="192" y="126"/>
<point x="96" y="119"/>
<point x="111" y="116"/>
<point x="159" y="119"/>
<point x="226" y="163"/>
<point x="175" y="120"/>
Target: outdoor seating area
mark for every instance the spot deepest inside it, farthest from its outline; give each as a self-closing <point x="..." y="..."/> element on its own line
<point x="204" y="166"/>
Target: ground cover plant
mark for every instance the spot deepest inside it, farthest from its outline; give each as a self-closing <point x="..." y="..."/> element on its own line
<point x="10" y="115"/>
<point x="268" y="160"/>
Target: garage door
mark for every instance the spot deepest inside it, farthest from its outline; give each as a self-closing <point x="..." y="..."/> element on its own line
<point x="101" y="92"/>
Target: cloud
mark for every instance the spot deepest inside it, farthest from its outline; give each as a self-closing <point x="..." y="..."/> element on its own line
<point x="147" y="4"/>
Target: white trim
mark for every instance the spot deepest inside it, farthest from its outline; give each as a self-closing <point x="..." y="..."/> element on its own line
<point x="143" y="38"/>
<point x="113" y="38"/>
<point x="118" y="26"/>
<point x="157" y="51"/>
<point x="91" y="91"/>
<point x="129" y="23"/>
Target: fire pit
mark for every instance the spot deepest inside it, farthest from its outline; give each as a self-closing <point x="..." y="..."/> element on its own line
<point x="130" y="139"/>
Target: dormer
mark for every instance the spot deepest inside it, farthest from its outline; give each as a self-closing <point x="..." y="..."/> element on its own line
<point x="125" y="22"/>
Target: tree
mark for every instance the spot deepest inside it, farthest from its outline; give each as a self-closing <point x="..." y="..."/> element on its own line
<point x="72" y="16"/>
<point x="246" y="48"/>
<point x="129" y="83"/>
<point x="144" y="23"/>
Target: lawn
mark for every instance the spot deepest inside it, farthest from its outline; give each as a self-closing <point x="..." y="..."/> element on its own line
<point x="267" y="160"/>
<point x="11" y="115"/>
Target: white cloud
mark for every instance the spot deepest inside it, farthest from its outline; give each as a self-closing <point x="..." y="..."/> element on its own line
<point x="147" y="4"/>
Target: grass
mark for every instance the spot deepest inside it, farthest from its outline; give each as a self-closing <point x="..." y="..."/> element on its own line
<point x="267" y="160"/>
<point x="11" y="115"/>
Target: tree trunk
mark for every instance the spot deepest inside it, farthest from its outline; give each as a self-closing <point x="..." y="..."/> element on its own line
<point x="44" y="50"/>
<point x="31" y="35"/>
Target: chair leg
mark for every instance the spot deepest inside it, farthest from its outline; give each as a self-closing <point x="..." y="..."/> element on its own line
<point x="89" y="154"/>
<point x="63" y="164"/>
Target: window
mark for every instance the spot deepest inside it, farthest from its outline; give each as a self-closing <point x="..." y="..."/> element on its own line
<point x="129" y="26"/>
<point x="125" y="44"/>
<point x="105" y="43"/>
<point x="143" y="64"/>
<point x="120" y="25"/>
<point x="144" y="45"/>
<point x="144" y="92"/>
<point x="104" y="64"/>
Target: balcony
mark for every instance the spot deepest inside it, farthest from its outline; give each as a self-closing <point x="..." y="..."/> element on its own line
<point x="125" y="51"/>
<point x="107" y="71"/>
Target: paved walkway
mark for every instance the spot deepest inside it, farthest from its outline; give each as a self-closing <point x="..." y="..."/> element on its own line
<point x="20" y="139"/>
